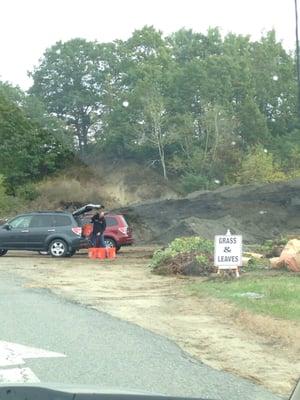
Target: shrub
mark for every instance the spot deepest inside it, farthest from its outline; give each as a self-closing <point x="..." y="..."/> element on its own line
<point x="186" y="256"/>
<point x="202" y="259"/>
<point x="28" y="192"/>
<point x="192" y="244"/>
<point x="161" y="256"/>
<point x="8" y="204"/>
<point x="259" y="166"/>
<point x="192" y="182"/>
<point x="273" y="248"/>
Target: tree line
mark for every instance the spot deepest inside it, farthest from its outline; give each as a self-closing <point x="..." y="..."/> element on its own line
<point x="201" y="108"/>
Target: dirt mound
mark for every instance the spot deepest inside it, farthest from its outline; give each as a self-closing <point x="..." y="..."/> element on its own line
<point x="112" y="183"/>
<point x="129" y="183"/>
<point x="258" y="212"/>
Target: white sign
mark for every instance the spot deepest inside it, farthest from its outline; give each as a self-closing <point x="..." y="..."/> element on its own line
<point x="228" y="250"/>
<point x="14" y="354"/>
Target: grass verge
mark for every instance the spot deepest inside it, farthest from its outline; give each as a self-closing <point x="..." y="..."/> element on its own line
<point x="280" y="293"/>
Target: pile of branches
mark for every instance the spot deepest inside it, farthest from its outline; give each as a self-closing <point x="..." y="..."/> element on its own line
<point x="189" y="264"/>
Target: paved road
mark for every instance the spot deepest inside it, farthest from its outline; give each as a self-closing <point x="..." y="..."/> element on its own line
<point x="104" y="351"/>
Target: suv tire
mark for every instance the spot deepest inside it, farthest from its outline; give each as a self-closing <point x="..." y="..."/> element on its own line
<point x="58" y="248"/>
<point x="71" y="253"/>
<point x="2" y="252"/>
<point x="109" y="242"/>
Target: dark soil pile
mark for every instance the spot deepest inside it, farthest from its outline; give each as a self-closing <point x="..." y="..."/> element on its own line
<point x="258" y="212"/>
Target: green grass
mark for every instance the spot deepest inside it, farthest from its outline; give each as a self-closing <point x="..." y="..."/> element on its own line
<point x="281" y="293"/>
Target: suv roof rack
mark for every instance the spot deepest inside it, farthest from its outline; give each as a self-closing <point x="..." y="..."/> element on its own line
<point x="49" y="212"/>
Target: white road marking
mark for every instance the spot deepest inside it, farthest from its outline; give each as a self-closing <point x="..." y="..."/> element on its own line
<point x="14" y="354"/>
<point x="18" y="375"/>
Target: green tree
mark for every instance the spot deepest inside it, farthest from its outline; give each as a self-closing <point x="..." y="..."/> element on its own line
<point x="253" y="123"/>
<point x="260" y="166"/>
<point x="71" y="80"/>
<point x="28" y="152"/>
<point x="141" y="126"/>
<point x="193" y="104"/>
<point x="274" y="83"/>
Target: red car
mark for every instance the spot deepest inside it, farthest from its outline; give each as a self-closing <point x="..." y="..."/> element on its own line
<point x="117" y="232"/>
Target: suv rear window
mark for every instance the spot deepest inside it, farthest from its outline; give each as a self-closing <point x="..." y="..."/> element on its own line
<point x="122" y="218"/>
<point x="111" y="221"/>
<point x="61" y="220"/>
<point x="49" y="220"/>
<point x="41" y="221"/>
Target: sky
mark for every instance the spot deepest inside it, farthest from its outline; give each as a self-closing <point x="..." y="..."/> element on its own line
<point x="28" y="27"/>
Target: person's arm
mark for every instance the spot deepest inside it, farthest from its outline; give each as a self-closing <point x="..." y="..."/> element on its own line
<point x="94" y="218"/>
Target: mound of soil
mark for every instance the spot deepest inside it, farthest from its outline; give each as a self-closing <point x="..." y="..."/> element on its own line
<point x="130" y="182"/>
<point x="258" y="212"/>
<point x="113" y="183"/>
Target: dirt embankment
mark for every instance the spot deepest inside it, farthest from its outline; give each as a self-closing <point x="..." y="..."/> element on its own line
<point x="258" y="212"/>
<point x="111" y="182"/>
<point x="209" y="330"/>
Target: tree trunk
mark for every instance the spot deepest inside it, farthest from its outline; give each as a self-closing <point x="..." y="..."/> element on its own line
<point x="161" y="149"/>
<point x="84" y="135"/>
<point x="205" y="150"/>
<point x="217" y="136"/>
<point x="162" y="159"/>
<point x="79" y="137"/>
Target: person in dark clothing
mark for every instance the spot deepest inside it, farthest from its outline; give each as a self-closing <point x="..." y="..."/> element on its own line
<point x="99" y="225"/>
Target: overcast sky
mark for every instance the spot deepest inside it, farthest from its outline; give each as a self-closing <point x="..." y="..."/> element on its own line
<point x="28" y="27"/>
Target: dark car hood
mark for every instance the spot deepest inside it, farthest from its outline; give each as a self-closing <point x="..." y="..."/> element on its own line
<point x="74" y="392"/>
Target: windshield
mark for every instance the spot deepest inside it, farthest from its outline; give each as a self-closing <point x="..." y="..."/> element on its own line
<point x="149" y="196"/>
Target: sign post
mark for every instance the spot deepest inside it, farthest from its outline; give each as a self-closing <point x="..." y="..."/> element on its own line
<point x="228" y="252"/>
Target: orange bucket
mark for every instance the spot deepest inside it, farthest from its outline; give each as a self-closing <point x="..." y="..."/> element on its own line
<point x="100" y="252"/>
<point x="92" y="253"/>
<point x="111" y="252"/>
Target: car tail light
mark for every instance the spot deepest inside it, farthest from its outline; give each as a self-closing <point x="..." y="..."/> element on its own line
<point x="123" y="230"/>
<point x="77" y="230"/>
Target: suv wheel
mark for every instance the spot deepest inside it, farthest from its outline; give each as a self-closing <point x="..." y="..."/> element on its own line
<point x="58" y="248"/>
<point x="2" y="252"/>
<point x="109" y="242"/>
<point x="71" y="253"/>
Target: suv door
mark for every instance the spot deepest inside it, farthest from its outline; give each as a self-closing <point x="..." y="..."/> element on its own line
<point x="41" y="226"/>
<point x="16" y="237"/>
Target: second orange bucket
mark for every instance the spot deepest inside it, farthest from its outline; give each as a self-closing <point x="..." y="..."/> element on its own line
<point x="100" y="252"/>
<point x="110" y="252"/>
